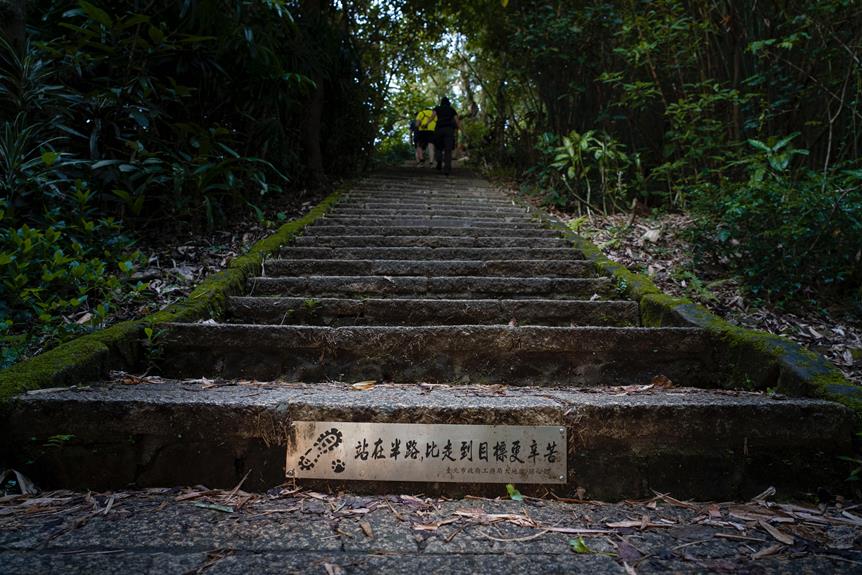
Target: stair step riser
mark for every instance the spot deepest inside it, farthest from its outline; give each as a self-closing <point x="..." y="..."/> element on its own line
<point x="387" y="203"/>
<point x="458" y="354"/>
<point x="429" y="254"/>
<point x="395" y="193"/>
<point x="426" y="197"/>
<point x="694" y="445"/>
<point x="523" y="268"/>
<point x="467" y="287"/>
<point x="332" y="230"/>
<point x="414" y="213"/>
<point x="485" y="205"/>
<point x="428" y="241"/>
<point x="430" y="222"/>
<point x="344" y="312"/>
<point x="475" y="199"/>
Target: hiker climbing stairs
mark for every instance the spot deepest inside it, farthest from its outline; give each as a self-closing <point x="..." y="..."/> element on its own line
<point x="458" y="305"/>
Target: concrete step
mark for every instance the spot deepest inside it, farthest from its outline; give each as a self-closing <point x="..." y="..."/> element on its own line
<point x="473" y="207"/>
<point x="341" y="312"/>
<point x="572" y="356"/>
<point x="370" y="201"/>
<point x="693" y="444"/>
<point x="327" y="229"/>
<point x="434" y="287"/>
<point x="429" y="180"/>
<point x="427" y="196"/>
<point x="506" y="268"/>
<point x="428" y="253"/>
<point x="457" y="199"/>
<point x="426" y="192"/>
<point x="502" y="213"/>
<point x="429" y="242"/>
<point x="431" y="222"/>
<point x="399" y="199"/>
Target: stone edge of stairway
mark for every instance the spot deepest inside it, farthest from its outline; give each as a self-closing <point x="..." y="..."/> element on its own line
<point x="758" y="359"/>
<point x="122" y="345"/>
<point x="149" y="433"/>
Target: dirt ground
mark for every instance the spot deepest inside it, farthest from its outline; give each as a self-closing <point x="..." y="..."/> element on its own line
<point x="287" y="530"/>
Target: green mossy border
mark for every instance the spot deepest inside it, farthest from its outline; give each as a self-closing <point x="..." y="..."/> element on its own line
<point x="754" y="360"/>
<point x="119" y="346"/>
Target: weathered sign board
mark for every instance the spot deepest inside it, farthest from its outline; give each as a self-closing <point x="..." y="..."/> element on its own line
<point x="427" y="452"/>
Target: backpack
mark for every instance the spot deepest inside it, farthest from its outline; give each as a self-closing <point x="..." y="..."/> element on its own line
<point x="425" y="117"/>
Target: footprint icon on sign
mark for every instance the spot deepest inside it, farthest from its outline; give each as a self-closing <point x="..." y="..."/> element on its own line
<point x="325" y="443"/>
<point x="338" y="466"/>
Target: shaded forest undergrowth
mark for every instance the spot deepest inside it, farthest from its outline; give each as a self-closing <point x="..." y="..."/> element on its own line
<point x="660" y="246"/>
<point x="127" y="129"/>
<point x="122" y="122"/>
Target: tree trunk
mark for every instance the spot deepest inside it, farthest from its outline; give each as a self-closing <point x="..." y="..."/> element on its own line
<point x="13" y="13"/>
<point x="312" y="129"/>
<point x="312" y="14"/>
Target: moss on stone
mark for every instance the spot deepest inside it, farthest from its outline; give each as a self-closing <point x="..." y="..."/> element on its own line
<point x="756" y="360"/>
<point x="751" y="359"/>
<point x="119" y="346"/>
<point x="659" y="309"/>
<point x="80" y="358"/>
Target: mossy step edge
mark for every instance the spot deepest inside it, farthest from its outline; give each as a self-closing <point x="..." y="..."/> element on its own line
<point x="90" y="356"/>
<point x="757" y="360"/>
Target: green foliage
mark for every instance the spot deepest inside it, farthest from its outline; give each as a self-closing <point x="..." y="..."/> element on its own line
<point x="121" y="117"/>
<point x="513" y="492"/>
<point x="584" y="157"/>
<point x="58" y="253"/>
<point x="602" y="105"/>
<point x="785" y="233"/>
<point x="580" y="546"/>
<point x="393" y="150"/>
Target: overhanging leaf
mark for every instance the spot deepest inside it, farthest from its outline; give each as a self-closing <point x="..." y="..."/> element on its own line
<point x="96" y="13"/>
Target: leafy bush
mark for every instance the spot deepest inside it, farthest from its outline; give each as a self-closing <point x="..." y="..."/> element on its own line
<point x="393" y="150"/>
<point x="785" y="234"/>
<point x="589" y="171"/>
<point x="123" y="117"/>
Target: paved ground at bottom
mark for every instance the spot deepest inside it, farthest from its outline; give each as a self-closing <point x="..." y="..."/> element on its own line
<point x="194" y="530"/>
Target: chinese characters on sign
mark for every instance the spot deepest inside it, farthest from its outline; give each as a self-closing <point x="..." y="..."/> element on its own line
<point x="427" y="452"/>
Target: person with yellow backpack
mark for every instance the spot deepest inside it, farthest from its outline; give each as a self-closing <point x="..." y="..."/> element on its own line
<point x="426" y="123"/>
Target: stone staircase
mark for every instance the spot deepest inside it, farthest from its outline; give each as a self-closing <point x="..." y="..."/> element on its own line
<point x="462" y="308"/>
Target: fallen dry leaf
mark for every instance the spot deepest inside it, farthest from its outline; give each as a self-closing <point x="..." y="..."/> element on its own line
<point x="662" y="382"/>
<point x="651" y="235"/>
<point x="434" y="526"/>
<point x="767" y="551"/>
<point x="484" y="517"/>
<point x="638" y="523"/>
<point x="779" y="535"/>
<point x="364" y="385"/>
<point x="366" y="528"/>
